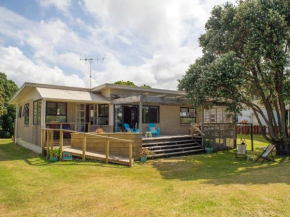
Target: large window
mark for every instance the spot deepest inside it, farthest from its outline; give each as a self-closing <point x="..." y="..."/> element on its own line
<point x="36" y="112"/>
<point x="150" y="114"/>
<point x="56" y="112"/>
<point x="26" y="114"/>
<point x="216" y="115"/>
<point x="103" y="114"/>
<point x="187" y="115"/>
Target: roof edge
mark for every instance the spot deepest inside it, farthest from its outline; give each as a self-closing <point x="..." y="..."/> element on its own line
<point x="124" y="87"/>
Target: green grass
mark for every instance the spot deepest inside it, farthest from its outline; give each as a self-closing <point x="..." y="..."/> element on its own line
<point x="198" y="185"/>
<point x="259" y="140"/>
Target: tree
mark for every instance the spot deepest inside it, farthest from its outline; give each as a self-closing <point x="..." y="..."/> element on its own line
<point x="130" y="83"/>
<point x="7" y="112"/>
<point x="246" y="57"/>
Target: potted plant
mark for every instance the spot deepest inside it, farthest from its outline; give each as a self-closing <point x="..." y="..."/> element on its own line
<point x="99" y="130"/>
<point x="144" y="153"/>
<point x="54" y="154"/>
<point x="208" y="147"/>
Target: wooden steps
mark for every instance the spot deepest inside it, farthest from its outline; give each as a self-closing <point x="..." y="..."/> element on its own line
<point x="96" y="156"/>
<point x="177" y="153"/>
<point x="171" y="146"/>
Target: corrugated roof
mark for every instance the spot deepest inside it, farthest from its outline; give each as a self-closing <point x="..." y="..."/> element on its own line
<point x="71" y="95"/>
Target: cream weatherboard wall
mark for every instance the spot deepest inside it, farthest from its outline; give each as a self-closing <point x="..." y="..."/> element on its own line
<point x="28" y="135"/>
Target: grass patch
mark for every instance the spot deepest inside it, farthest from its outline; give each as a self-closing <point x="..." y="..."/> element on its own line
<point x="197" y="185"/>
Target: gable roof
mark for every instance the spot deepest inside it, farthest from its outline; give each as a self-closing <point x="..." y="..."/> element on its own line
<point x="71" y="95"/>
<point x="58" y="92"/>
<point x="139" y="89"/>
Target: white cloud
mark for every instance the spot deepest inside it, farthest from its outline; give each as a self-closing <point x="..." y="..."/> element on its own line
<point x="162" y="35"/>
<point x="19" y="68"/>
<point x="62" y="5"/>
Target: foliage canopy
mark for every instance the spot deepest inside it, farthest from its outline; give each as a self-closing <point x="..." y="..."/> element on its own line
<point x="246" y="57"/>
<point x="7" y="112"/>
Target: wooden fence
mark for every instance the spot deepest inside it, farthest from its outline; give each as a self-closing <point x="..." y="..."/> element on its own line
<point x="246" y="129"/>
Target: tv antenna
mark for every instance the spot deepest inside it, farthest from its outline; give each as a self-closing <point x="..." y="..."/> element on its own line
<point x="91" y="60"/>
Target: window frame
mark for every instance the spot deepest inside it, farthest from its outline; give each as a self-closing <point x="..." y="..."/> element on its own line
<point x="103" y="116"/>
<point x="37" y="109"/>
<point x="195" y="117"/>
<point x="25" y="114"/>
<point x="158" y="114"/>
<point x="56" y="115"/>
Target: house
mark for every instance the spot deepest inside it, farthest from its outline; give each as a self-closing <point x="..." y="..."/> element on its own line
<point x="108" y="106"/>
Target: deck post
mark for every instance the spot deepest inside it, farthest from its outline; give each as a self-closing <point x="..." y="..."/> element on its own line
<point x="107" y="150"/>
<point x="42" y="141"/>
<point x="140" y="117"/>
<point x="130" y="154"/>
<point x="61" y="143"/>
<point x="84" y="148"/>
<point x="47" y="144"/>
<point x="51" y="140"/>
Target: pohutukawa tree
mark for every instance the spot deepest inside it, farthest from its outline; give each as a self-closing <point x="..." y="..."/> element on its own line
<point x="246" y="57"/>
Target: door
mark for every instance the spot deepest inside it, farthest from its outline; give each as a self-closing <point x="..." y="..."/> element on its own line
<point x="125" y="114"/>
<point x="81" y="117"/>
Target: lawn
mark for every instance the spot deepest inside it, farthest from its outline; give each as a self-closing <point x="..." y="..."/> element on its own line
<point x="197" y="185"/>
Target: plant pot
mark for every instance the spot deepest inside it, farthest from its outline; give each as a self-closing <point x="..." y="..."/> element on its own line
<point x="143" y="159"/>
<point x="53" y="159"/>
<point x="209" y="150"/>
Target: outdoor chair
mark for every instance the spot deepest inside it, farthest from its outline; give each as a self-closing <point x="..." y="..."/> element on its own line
<point x="242" y="150"/>
<point x="128" y="129"/>
<point x="266" y="153"/>
<point x="153" y="130"/>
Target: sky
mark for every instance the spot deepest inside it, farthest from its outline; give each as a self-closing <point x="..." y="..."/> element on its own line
<point x="145" y="41"/>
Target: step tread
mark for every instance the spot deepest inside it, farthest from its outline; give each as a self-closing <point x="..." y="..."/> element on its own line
<point x="175" y="153"/>
<point x="167" y="142"/>
<point x="175" y="149"/>
<point x="173" y="145"/>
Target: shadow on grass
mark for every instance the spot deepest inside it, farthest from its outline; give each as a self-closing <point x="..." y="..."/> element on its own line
<point x="222" y="168"/>
<point x="12" y="152"/>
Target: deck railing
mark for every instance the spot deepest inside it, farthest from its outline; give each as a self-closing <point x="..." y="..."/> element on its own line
<point x="195" y="128"/>
<point x="50" y="142"/>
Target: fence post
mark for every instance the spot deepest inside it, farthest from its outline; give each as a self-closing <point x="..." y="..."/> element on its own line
<point x="252" y="139"/>
<point x="84" y="148"/>
<point x="130" y="154"/>
<point x="47" y="144"/>
<point x="107" y="151"/>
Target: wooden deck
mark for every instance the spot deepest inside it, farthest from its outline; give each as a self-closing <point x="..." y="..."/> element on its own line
<point x="96" y="156"/>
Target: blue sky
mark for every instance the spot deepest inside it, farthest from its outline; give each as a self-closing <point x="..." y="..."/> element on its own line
<point x="147" y="42"/>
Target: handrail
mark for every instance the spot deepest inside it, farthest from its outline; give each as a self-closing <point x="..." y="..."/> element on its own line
<point x="201" y="133"/>
<point x="197" y="129"/>
<point x="107" y="137"/>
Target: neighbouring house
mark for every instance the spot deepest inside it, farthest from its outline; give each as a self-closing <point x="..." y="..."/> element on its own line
<point x="249" y="116"/>
<point x="107" y="106"/>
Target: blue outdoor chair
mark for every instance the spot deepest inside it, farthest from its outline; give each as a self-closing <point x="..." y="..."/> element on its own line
<point x="128" y="129"/>
<point x="153" y="130"/>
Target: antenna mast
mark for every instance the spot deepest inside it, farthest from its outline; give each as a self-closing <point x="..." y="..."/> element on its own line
<point x="90" y="60"/>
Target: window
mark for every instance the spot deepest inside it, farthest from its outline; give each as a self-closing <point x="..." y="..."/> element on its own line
<point x="26" y="114"/>
<point x="150" y="114"/>
<point x="187" y="115"/>
<point x="103" y="114"/>
<point x="36" y="112"/>
<point x="56" y="112"/>
<point x="216" y="115"/>
<point x="19" y="111"/>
